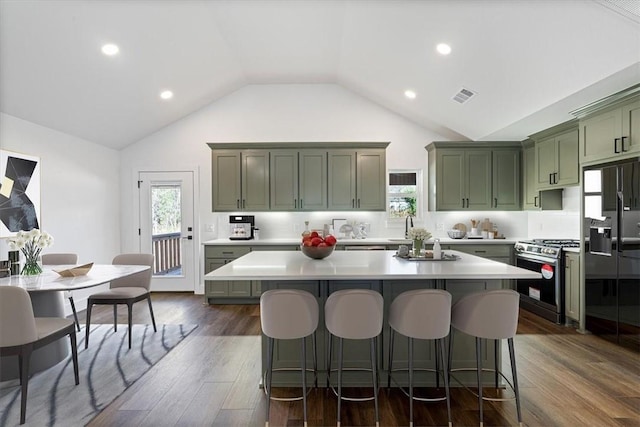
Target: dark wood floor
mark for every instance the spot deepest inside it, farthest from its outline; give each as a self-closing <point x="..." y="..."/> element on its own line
<point x="211" y="379"/>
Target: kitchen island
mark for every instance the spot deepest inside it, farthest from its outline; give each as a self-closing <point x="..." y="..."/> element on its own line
<point x="383" y="272"/>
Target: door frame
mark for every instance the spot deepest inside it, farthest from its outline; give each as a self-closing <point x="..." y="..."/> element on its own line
<point x="197" y="264"/>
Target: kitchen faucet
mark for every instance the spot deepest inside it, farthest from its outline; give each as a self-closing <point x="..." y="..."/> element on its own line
<point x="408" y="219"/>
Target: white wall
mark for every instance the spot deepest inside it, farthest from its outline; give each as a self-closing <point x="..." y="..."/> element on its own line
<point x="79" y="185"/>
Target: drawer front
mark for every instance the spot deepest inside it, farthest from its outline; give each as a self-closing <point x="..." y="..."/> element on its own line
<point x="485" y="251"/>
<point x="225" y="251"/>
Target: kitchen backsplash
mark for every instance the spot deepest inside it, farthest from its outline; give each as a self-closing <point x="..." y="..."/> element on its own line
<point x="519" y="224"/>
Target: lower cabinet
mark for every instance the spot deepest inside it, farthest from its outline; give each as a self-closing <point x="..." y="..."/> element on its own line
<point x="232" y="291"/>
<point x="496" y="252"/>
<point x="572" y="286"/>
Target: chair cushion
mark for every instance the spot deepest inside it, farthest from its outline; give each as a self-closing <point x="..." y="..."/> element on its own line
<point x="50" y="325"/>
<point x="120" y="293"/>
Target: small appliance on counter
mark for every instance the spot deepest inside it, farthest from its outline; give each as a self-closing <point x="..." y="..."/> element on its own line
<point x="242" y="227"/>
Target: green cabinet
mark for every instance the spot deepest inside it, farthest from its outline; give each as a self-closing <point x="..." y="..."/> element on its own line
<point x="556" y="157"/>
<point x="462" y="176"/>
<point x="240" y="180"/>
<point x="529" y="184"/>
<point x="357" y="179"/>
<point x="611" y="133"/>
<point x="497" y="252"/>
<point x="573" y="289"/>
<point x="298" y="180"/>
<point x="222" y="291"/>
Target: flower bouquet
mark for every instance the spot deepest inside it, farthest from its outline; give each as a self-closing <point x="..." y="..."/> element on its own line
<point x="30" y="243"/>
<point x="418" y="235"/>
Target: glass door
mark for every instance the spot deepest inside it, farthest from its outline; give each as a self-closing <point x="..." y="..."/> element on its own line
<point x="166" y="228"/>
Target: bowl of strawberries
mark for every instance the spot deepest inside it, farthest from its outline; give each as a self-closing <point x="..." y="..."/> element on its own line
<point x="317" y="247"/>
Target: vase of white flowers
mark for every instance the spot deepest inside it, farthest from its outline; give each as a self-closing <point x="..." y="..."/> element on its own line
<point x="30" y="243"/>
<point x="418" y="235"/>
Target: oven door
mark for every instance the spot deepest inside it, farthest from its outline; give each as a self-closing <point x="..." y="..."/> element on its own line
<point x="542" y="296"/>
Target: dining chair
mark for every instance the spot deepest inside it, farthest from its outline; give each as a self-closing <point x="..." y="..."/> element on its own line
<point x="64" y="259"/>
<point x="127" y="290"/>
<point x="21" y="333"/>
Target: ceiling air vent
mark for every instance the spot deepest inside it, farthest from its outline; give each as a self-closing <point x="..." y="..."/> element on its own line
<point x="463" y="95"/>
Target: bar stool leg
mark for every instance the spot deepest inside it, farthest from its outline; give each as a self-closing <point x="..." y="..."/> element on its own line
<point x="436" y="351"/>
<point x="391" y="337"/>
<point x="340" y="343"/>
<point x="479" y="373"/>
<point x="374" y="372"/>
<point x="445" y="370"/>
<point x="329" y="363"/>
<point x="304" y="379"/>
<point x="449" y="355"/>
<point x="315" y="362"/>
<point x="496" y="344"/>
<point x="512" y="356"/>
<point x="267" y="379"/>
<point x="410" y="382"/>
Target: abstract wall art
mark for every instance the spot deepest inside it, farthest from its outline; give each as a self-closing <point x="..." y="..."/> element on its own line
<point x="19" y="192"/>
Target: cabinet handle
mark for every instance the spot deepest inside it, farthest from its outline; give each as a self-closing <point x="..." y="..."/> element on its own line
<point x="358" y="203"/>
<point x="463" y="202"/>
<point x="295" y="203"/>
<point x="555" y="177"/>
<point x="615" y="145"/>
<point x="480" y="252"/>
<point x="353" y="203"/>
<point x="300" y="203"/>
<point x="535" y="201"/>
<point x="467" y="203"/>
<point x="622" y="145"/>
<point x="495" y="200"/>
<point x="243" y="203"/>
<point x="238" y="203"/>
<point x="550" y="178"/>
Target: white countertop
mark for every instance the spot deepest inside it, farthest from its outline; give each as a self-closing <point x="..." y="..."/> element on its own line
<point x="364" y="242"/>
<point x="362" y="265"/>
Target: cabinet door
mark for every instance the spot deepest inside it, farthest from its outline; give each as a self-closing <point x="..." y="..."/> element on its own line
<point x="530" y="199"/>
<point x="478" y="179"/>
<point x="598" y="134"/>
<point x="631" y="128"/>
<point x="572" y="286"/>
<point x="225" y="177"/>
<point x="341" y="179"/>
<point x="284" y="180"/>
<point x="240" y="288"/>
<point x="215" y="288"/>
<point x="371" y="180"/>
<point x="567" y="154"/>
<point x="450" y="180"/>
<point x="312" y="180"/>
<point x="546" y="165"/>
<point x="255" y="180"/>
<point x="506" y="179"/>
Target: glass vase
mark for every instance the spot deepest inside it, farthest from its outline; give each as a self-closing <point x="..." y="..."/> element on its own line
<point x="31" y="267"/>
<point x="417" y="247"/>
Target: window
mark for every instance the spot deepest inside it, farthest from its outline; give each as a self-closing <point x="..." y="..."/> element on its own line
<point x="403" y="194"/>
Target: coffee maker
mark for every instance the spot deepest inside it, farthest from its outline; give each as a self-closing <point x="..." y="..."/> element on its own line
<point x="241" y="227"/>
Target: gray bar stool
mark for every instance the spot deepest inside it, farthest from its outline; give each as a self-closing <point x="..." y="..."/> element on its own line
<point x="422" y="314"/>
<point x="354" y="314"/>
<point x="489" y="315"/>
<point x="288" y="314"/>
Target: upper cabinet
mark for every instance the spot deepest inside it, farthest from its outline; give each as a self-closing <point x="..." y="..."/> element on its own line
<point x="298" y="177"/>
<point x="556" y="157"/>
<point x="240" y="180"/>
<point x="610" y="132"/>
<point x="474" y="176"/>
<point x="298" y="180"/>
<point x="357" y="179"/>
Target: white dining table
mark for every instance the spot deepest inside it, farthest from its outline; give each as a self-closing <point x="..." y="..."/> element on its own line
<point x="47" y="298"/>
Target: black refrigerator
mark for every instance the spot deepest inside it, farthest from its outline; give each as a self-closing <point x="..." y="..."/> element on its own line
<point x="612" y="251"/>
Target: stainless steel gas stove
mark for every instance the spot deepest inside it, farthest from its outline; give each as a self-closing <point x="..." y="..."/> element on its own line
<point x="544" y="296"/>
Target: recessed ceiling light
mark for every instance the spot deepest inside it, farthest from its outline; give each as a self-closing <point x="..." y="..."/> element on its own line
<point x="110" y="49"/>
<point x="410" y="94"/>
<point x="443" y="49"/>
<point x="167" y="94"/>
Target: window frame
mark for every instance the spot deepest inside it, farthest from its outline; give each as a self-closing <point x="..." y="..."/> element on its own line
<point x="418" y="194"/>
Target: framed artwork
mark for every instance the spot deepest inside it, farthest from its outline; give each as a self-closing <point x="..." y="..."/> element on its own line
<point x="19" y="192"/>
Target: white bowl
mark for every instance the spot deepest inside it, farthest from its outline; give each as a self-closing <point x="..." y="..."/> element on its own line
<point x="456" y="234"/>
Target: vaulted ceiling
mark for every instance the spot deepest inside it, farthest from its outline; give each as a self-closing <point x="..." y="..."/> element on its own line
<point x="529" y="61"/>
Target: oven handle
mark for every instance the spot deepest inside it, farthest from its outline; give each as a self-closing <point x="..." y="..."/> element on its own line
<point x="541" y="260"/>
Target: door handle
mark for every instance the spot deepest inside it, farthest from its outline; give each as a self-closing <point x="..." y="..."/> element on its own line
<point x="187" y="238"/>
<point x="615" y="145"/>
